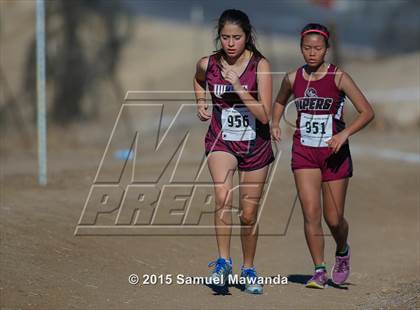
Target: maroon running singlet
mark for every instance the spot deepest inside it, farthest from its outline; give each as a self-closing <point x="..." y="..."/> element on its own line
<point x="233" y="128"/>
<point x="319" y="106"/>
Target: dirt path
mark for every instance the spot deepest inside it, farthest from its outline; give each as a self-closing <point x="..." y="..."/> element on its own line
<point x="44" y="266"/>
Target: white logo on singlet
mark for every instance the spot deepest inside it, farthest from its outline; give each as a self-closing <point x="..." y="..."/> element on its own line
<point x="221" y="89"/>
<point x="310" y="92"/>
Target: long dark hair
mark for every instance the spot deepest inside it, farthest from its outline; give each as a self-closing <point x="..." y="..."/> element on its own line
<point x="239" y="18"/>
<point x="315" y="29"/>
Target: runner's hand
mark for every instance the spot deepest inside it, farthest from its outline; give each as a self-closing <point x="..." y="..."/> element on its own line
<point x="232" y="78"/>
<point x="337" y="141"/>
<point x="275" y="134"/>
<point x="202" y="110"/>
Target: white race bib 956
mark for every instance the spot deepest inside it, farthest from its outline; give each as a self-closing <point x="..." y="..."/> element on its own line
<point x="238" y="124"/>
<point x="315" y="130"/>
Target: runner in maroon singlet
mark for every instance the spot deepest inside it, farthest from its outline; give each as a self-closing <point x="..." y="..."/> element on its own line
<point x="238" y="137"/>
<point x="321" y="160"/>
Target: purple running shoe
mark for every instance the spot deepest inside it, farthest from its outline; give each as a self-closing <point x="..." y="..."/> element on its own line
<point x="318" y="280"/>
<point x="341" y="269"/>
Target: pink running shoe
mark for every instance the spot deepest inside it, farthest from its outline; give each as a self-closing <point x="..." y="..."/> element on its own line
<point x="319" y="279"/>
<point x="341" y="269"/>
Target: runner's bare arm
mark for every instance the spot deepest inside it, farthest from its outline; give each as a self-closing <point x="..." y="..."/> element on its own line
<point x="345" y="83"/>
<point x="199" y="80"/>
<point x="260" y="108"/>
<point x="281" y="100"/>
<point x="279" y="106"/>
<point x="366" y="114"/>
<point x="199" y="83"/>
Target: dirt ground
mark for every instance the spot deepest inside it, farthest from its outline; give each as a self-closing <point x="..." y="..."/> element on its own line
<point x="45" y="266"/>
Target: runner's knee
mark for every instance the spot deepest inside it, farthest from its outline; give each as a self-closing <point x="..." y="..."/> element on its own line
<point x="222" y="198"/>
<point x="248" y="218"/>
<point x="312" y="216"/>
<point x="334" y="222"/>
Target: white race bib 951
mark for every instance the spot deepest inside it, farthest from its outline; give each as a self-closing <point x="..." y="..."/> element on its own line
<point x="315" y="130"/>
<point x="238" y="124"/>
